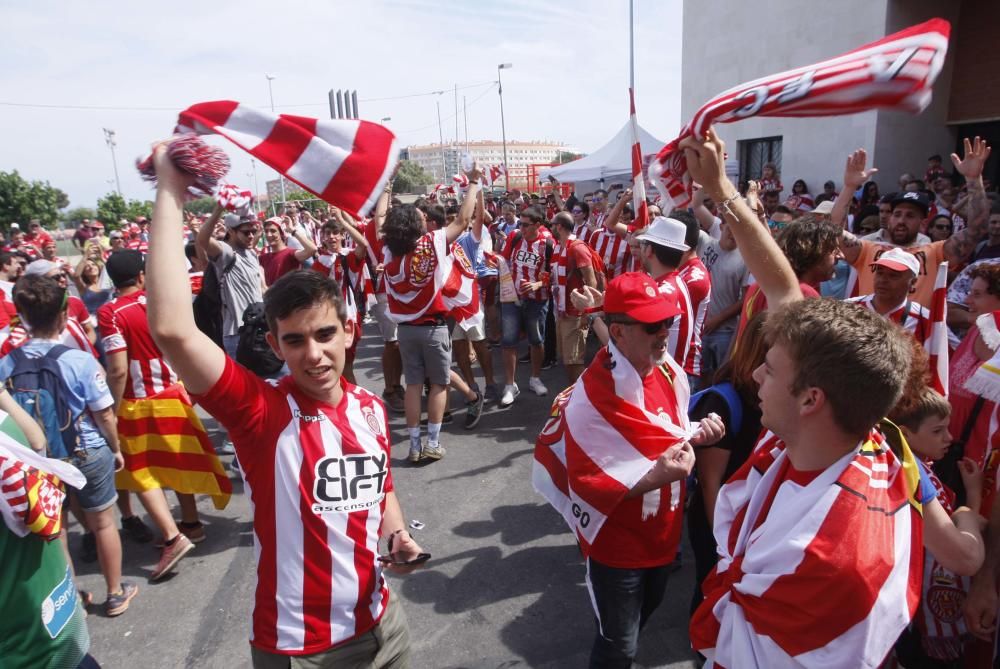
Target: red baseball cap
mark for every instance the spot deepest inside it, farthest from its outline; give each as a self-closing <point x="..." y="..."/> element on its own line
<point x="637" y="296"/>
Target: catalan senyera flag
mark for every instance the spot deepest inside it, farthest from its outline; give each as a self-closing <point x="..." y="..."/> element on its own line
<point x="639" y="206"/>
<point x="896" y="72"/>
<point x="937" y="347"/>
<point x="166" y="446"/>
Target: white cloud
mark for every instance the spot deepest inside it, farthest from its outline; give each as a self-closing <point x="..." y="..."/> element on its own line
<point x="569" y="80"/>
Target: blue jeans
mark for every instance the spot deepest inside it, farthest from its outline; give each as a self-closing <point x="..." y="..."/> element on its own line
<point x="98" y="466"/>
<point x="529" y="316"/>
<point x="625" y="599"/>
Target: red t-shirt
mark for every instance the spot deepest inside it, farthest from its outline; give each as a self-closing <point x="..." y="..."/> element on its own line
<point x="276" y="264"/>
<point x="576" y="256"/>
<point x="626" y="540"/>
<point x="755" y="301"/>
<point x="317" y="476"/>
<point x="124" y="326"/>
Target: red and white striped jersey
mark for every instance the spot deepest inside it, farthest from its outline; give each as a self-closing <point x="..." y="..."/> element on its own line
<point x="138" y="244"/>
<point x="681" y="331"/>
<point x="527" y="261"/>
<point x="72" y="336"/>
<point x="317" y="476"/>
<point x="375" y="246"/>
<point x="910" y="316"/>
<point x="612" y="249"/>
<point x="347" y="269"/>
<point x="699" y="284"/>
<point x="124" y="327"/>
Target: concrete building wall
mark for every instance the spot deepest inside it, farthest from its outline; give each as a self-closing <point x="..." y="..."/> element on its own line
<point x="903" y="141"/>
<point x="796" y="33"/>
<point x="519" y="155"/>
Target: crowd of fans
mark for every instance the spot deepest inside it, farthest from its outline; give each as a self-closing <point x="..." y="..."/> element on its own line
<point x="544" y="280"/>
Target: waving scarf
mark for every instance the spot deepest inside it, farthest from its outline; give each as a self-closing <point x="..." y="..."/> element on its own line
<point x="600" y="441"/>
<point x="896" y="72"/>
<point x="31" y="492"/>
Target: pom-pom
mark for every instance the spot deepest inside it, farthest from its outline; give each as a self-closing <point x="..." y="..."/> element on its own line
<point x="233" y="198"/>
<point x="189" y="153"/>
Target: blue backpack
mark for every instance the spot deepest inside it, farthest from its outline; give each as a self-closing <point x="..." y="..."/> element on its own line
<point x="728" y="393"/>
<point x="36" y="384"/>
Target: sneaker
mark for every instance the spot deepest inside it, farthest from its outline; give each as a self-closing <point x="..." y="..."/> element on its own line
<point x="474" y="411"/>
<point x="194" y="531"/>
<point x="415" y="452"/>
<point x="170" y="556"/>
<point x="537" y="386"/>
<point x="226" y="447"/>
<point x="117" y="603"/>
<point x="136" y="530"/>
<point x="549" y="364"/>
<point x="394" y="403"/>
<point x="432" y="452"/>
<point x="509" y="393"/>
<point x="88" y="548"/>
<point x="491" y="394"/>
<point x="525" y="358"/>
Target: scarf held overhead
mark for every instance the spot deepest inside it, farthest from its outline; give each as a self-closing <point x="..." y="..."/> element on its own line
<point x="600" y="441"/>
<point x="896" y="72"/>
<point x="344" y="162"/>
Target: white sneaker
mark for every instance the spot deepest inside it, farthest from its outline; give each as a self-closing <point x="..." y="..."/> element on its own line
<point x="509" y="393"/>
<point x="537" y="386"/>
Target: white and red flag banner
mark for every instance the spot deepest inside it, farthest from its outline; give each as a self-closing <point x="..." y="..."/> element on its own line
<point x="937" y="346"/>
<point x="344" y="162"/>
<point x="896" y="72"/>
<point x="639" y="206"/>
<point x="492" y="173"/>
<point x="600" y="441"/>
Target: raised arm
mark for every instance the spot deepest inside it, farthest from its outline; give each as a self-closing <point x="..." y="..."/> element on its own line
<point x="959" y="247"/>
<point x="706" y="163"/>
<point x="360" y="243"/>
<point x="478" y="217"/>
<point x="195" y="357"/>
<point x="205" y="239"/>
<point x="613" y="220"/>
<point x="381" y="209"/>
<point x="464" y="218"/>
<point x="308" y="249"/>
<point x="701" y="213"/>
<point x="855" y="176"/>
<point x="560" y="205"/>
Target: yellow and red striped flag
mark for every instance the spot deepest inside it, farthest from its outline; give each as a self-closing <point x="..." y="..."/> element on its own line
<point x="166" y="446"/>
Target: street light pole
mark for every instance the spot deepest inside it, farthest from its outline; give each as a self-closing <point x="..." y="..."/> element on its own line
<point x="444" y="163"/>
<point x="270" y="92"/>
<point x="109" y="137"/>
<point x="503" y="127"/>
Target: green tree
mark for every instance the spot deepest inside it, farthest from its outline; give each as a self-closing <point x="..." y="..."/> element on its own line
<point x="76" y="214"/>
<point x="203" y="205"/>
<point x="567" y="157"/>
<point x="110" y="209"/>
<point x="136" y="208"/>
<point x="305" y="199"/>
<point x="410" y="177"/>
<point x="22" y="200"/>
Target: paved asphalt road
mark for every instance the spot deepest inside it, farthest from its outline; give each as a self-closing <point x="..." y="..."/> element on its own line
<point x="505" y="587"/>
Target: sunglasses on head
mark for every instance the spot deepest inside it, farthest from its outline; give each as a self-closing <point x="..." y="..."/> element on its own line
<point x="648" y="328"/>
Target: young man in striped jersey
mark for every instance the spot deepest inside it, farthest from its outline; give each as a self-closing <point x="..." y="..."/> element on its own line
<point x="314" y="450"/>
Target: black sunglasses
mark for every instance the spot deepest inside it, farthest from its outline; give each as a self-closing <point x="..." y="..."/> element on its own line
<point x="648" y="328"/>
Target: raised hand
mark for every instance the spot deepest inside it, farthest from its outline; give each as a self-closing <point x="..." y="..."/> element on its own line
<point x="706" y="162"/>
<point x="710" y="431"/>
<point x="976" y="153"/>
<point x="855" y="174"/>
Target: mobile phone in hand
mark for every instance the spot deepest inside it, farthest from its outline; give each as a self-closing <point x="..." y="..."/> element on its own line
<point x="420" y="559"/>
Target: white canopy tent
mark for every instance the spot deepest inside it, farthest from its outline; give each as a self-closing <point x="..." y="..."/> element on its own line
<point x="610" y="163"/>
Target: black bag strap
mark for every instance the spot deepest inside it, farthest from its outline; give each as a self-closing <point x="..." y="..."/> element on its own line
<point x="970" y="422"/>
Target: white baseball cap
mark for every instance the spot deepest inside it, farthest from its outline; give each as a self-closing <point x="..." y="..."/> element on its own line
<point x="899" y="260"/>
<point x="667" y="232"/>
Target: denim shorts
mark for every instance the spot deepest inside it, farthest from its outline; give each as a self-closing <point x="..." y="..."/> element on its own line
<point x="529" y="316"/>
<point x="98" y="466"/>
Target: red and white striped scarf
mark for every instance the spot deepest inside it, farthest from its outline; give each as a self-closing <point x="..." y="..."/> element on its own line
<point x="612" y="250"/>
<point x="843" y="551"/>
<point x="600" y="440"/>
<point x="233" y="198"/>
<point x="896" y="72"/>
<point x="344" y="162"/>
<point x="492" y="173"/>
<point x="31" y="491"/>
<point x="937" y="346"/>
<point x="451" y="278"/>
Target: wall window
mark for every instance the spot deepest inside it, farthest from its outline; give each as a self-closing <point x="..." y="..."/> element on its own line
<point x="755" y="152"/>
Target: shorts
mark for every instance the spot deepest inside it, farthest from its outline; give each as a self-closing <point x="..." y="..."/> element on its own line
<point x="97" y="466"/>
<point x="426" y="353"/>
<point x="386" y="326"/>
<point x="529" y="316"/>
<point x="571" y="339"/>
<point x="474" y="333"/>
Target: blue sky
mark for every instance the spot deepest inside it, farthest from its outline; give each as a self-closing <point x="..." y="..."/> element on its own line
<point x="150" y="60"/>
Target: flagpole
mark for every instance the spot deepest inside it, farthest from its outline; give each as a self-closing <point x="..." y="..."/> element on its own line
<point x="631" y="45"/>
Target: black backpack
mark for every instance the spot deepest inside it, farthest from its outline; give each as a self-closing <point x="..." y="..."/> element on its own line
<point x="207" y="303"/>
<point x="36" y="384"/>
<point x="253" y="351"/>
